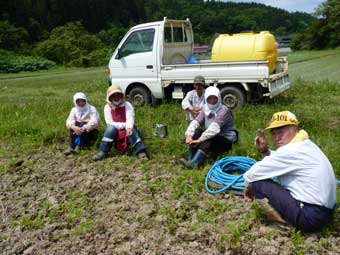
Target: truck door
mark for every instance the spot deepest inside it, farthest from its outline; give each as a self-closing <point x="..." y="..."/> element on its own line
<point x="136" y="59"/>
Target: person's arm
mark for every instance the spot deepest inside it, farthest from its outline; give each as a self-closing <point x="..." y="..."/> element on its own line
<point x="261" y="143"/>
<point x="71" y="123"/>
<point x="221" y="119"/>
<point x="94" y="120"/>
<point x="213" y="130"/>
<point x="278" y="163"/>
<point x="130" y="115"/>
<point x="186" y="105"/>
<point x="109" y="120"/>
<point x="71" y="120"/>
<point x="130" y="118"/>
<point x="192" y="128"/>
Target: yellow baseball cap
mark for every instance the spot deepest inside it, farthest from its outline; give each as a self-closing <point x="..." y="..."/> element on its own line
<point x="280" y="119"/>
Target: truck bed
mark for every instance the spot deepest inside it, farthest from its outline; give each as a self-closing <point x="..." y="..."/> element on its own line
<point x="220" y="72"/>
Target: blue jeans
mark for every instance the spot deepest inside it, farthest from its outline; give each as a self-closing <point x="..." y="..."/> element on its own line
<point x="303" y="216"/>
<point x="111" y="133"/>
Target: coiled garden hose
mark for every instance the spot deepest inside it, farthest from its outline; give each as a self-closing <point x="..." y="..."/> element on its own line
<point x="227" y="173"/>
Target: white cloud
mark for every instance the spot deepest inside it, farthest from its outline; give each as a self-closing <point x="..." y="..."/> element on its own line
<point x="289" y="5"/>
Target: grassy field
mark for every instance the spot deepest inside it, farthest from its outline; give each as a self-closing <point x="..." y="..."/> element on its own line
<point x="33" y="111"/>
<point x="316" y="66"/>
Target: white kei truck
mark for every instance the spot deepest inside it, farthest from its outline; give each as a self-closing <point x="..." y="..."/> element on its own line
<point x="151" y="63"/>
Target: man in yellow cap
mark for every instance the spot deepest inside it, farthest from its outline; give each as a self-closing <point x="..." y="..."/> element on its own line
<point x="306" y="195"/>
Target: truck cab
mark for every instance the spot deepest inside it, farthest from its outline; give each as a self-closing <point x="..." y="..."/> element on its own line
<point x="141" y="53"/>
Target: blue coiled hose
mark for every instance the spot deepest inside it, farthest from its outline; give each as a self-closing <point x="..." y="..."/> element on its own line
<point x="220" y="173"/>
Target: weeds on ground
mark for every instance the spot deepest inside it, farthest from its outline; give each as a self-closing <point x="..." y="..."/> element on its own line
<point x="298" y="241"/>
<point x="71" y="214"/>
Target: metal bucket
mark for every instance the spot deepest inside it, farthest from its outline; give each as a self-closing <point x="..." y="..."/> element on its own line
<point x="161" y="130"/>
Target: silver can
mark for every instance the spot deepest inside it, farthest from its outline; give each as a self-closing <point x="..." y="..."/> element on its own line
<point x="161" y="130"/>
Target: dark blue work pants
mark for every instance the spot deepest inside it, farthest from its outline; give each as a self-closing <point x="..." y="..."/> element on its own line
<point x="303" y="216"/>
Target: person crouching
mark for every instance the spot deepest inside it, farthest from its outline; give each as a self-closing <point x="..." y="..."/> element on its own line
<point x="219" y="130"/>
<point x="121" y="130"/>
<point x="82" y="123"/>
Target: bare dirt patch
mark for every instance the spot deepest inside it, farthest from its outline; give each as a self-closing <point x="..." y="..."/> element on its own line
<point x="52" y="204"/>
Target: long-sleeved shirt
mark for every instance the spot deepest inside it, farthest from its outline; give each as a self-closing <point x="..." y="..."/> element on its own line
<point x="130" y="117"/>
<point x="90" y="117"/>
<point x="303" y="169"/>
<point x="222" y="124"/>
<point x="190" y="101"/>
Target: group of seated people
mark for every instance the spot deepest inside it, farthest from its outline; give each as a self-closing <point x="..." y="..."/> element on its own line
<point x="294" y="184"/>
<point x="83" y="123"/>
<point x="204" y="111"/>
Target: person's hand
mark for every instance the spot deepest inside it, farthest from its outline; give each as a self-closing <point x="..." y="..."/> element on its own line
<point x="188" y="139"/>
<point x="78" y="130"/>
<point x="248" y="195"/>
<point x="195" y="142"/>
<point x="128" y="131"/>
<point x="196" y="110"/>
<point x="261" y="142"/>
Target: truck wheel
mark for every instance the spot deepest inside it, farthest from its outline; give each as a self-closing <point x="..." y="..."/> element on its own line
<point x="232" y="97"/>
<point x="140" y="96"/>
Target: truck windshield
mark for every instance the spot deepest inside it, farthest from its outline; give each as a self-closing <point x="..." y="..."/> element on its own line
<point x="139" y="41"/>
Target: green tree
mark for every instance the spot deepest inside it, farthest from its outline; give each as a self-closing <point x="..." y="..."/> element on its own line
<point x="324" y="32"/>
<point x="112" y="36"/>
<point x="11" y="37"/>
<point x="69" y="45"/>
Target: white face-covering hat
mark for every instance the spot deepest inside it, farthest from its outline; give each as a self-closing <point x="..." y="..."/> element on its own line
<point x="209" y="108"/>
<point x="77" y="96"/>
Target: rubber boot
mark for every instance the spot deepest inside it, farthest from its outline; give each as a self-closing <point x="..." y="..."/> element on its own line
<point x="271" y="213"/>
<point x="197" y="160"/>
<point x="192" y="152"/>
<point x="70" y="149"/>
<point x="143" y="156"/>
<point x="104" y="147"/>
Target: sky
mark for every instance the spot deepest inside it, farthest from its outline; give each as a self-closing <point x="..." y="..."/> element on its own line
<point x="289" y="5"/>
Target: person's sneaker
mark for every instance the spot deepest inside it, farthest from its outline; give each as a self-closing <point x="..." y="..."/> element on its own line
<point x="143" y="156"/>
<point x="77" y="149"/>
<point x="68" y="151"/>
<point x="101" y="155"/>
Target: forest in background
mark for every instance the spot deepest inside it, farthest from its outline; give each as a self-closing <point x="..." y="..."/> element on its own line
<point x="84" y="33"/>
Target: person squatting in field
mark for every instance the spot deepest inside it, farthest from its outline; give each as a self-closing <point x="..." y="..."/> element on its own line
<point x="121" y="130"/>
<point x="305" y="195"/>
<point x="219" y="130"/>
<point x="194" y="101"/>
<point x="82" y="123"/>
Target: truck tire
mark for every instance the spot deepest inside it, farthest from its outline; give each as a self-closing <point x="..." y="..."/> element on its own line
<point x="232" y="97"/>
<point x="140" y="96"/>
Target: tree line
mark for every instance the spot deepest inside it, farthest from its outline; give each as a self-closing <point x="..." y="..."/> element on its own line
<point x="79" y="32"/>
<point x="39" y="17"/>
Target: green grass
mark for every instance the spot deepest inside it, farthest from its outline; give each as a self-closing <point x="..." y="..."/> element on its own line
<point x="33" y="112"/>
<point x="72" y="214"/>
<point x="304" y="55"/>
<point x="56" y="70"/>
<point x="315" y="66"/>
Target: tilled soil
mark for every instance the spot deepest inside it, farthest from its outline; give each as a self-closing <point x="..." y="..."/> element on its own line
<point x="52" y="204"/>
